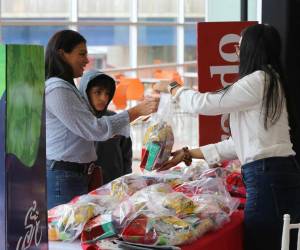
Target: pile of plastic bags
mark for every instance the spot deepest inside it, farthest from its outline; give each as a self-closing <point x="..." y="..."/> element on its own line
<point x="172" y="207"/>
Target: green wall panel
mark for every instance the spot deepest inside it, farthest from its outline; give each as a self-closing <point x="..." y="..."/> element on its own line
<point x="25" y="91"/>
<point x="2" y="68"/>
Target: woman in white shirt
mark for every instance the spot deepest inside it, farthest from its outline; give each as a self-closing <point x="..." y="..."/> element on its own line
<point x="259" y="135"/>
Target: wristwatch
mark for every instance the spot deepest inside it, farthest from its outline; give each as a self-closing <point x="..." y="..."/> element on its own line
<point x="172" y="85"/>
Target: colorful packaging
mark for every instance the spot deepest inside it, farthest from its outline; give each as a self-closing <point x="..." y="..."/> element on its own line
<point x="158" y="143"/>
<point x="98" y="228"/>
<point x="140" y="231"/>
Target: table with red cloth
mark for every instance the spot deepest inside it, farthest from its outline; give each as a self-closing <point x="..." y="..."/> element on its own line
<point x="229" y="237"/>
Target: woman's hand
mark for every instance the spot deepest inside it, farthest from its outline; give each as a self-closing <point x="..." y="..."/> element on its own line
<point x="147" y="106"/>
<point x="178" y="157"/>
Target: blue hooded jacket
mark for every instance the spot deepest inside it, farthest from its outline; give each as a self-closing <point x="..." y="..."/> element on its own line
<point x="115" y="154"/>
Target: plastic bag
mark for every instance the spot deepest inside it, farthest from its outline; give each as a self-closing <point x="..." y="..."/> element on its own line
<point x="165" y="229"/>
<point x="159" y="138"/>
<point x="66" y="222"/>
<point x="125" y="186"/>
<point x="98" y="228"/>
<point x="146" y="201"/>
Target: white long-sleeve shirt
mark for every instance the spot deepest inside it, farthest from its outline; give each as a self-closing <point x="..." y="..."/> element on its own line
<point x="249" y="139"/>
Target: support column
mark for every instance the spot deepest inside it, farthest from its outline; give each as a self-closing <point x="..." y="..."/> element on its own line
<point x="244" y="10"/>
<point x="284" y="15"/>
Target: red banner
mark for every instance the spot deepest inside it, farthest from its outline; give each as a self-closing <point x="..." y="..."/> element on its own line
<point x="217" y="67"/>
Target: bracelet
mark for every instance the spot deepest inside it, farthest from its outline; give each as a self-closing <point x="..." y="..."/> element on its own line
<point x="187" y="158"/>
<point x="172" y="85"/>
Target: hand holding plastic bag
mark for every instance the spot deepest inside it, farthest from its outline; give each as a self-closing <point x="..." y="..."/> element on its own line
<point x="178" y="156"/>
<point x="159" y="138"/>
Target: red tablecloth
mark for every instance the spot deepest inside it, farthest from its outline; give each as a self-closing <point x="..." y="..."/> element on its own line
<point x="229" y="237"/>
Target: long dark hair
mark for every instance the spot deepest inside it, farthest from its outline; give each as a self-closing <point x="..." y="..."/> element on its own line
<point x="55" y="66"/>
<point x="260" y="49"/>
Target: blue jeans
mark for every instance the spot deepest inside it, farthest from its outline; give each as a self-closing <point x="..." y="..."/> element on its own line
<point x="63" y="186"/>
<point x="273" y="189"/>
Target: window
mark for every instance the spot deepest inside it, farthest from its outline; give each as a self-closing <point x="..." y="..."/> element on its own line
<point x="107" y="45"/>
<point x="112" y="9"/>
<point x="35" y="9"/>
<point x="28" y="34"/>
<point x="157" y="10"/>
<point x="156" y="44"/>
<point x="194" y="10"/>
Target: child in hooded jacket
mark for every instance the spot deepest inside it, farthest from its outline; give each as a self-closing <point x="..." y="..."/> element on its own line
<point x="114" y="155"/>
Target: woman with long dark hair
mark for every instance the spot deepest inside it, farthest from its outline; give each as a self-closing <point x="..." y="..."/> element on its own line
<point x="260" y="139"/>
<point x="71" y="127"/>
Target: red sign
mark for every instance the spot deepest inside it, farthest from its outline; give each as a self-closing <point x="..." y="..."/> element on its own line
<point x="217" y="67"/>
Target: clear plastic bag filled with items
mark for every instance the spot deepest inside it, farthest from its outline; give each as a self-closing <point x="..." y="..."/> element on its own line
<point x="159" y="138"/>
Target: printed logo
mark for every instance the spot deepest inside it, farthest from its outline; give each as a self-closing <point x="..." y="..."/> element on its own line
<point x="33" y="232"/>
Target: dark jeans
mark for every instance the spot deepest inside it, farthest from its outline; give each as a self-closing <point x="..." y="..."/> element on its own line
<point x="63" y="186"/>
<point x="273" y="189"/>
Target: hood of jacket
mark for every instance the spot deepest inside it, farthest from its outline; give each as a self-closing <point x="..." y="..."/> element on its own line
<point x="85" y="80"/>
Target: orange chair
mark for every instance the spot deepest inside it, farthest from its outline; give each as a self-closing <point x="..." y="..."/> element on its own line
<point x="135" y="89"/>
<point x="177" y="78"/>
<point x="119" y="99"/>
<point x="168" y="74"/>
<point x="118" y="77"/>
<point x="161" y="74"/>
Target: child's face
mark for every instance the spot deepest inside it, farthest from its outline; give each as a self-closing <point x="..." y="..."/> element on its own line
<point x="99" y="97"/>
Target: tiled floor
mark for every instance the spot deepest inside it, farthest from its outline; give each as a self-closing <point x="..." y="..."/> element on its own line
<point x="58" y="245"/>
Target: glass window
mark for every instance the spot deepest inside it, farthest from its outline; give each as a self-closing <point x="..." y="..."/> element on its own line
<point x="252" y="10"/>
<point x="107" y="45"/>
<point x="194" y="10"/>
<point x="190" y="42"/>
<point x="156" y="44"/>
<point x="28" y="34"/>
<point x="229" y="10"/>
<point x="157" y="10"/>
<point x="119" y="9"/>
<point x="35" y="9"/>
